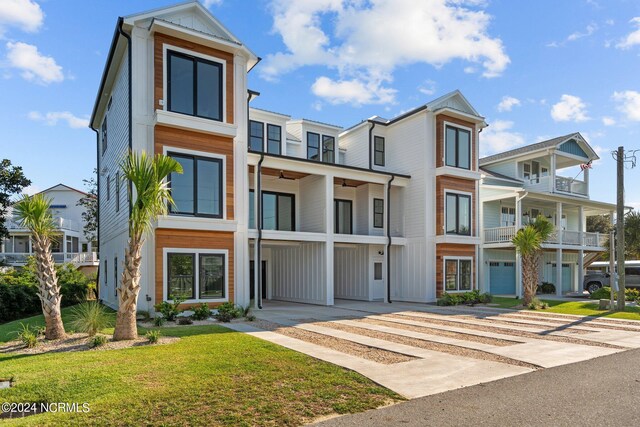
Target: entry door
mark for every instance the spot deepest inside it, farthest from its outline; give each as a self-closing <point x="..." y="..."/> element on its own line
<point x="252" y="280"/>
<point x="378" y="278"/>
<point x="502" y="278"/>
<point x="567" y="284"/>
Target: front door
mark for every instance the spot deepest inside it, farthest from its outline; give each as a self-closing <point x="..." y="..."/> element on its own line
<point x="378" y="279"/>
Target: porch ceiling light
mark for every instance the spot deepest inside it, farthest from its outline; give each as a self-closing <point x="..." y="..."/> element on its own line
<point x="281" y="176"/>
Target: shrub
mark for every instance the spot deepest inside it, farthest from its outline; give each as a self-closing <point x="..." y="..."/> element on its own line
<point x="602" y="293"/>
<point x="227" y="312"/>
<point x="547" y="288"/>
<point x="536" y="304"/>
<point x="630" y="294"/>
<point x="201" y="312"/>
<point x="90" y="318"/>
<point x="169" y="310"/>
<point x="250" y="317"/>
<point x="158" y="321"/>
<point x="98" y="340"/>
<point x="153" y="336"/>
<point x="75" y="286"/>
<point x="185" y="321"/>
<point x="467" y="298"/>
<point x="28" y="335"/>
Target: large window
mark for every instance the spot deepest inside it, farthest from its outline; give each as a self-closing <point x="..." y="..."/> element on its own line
<point x="344" y="216"/>
<point x="278" y="211"/>
<point x="181" y="275"/>
<point x="212" y="274"/>
<point x="194" y="86"/>
<point x="313" y="146"/>
<point x="458" y="274"/>
<point x="378" y="213"/>
<point x="198" y="190"/>
<point x="458" y="214"/>
<point x="458" y="147"/>
<point x="274" y="137"/>
<point x="328" y="149"/>
<point x="378" y="151"/>
<point x="256" y="136"/>
<point x="196" y="275"/>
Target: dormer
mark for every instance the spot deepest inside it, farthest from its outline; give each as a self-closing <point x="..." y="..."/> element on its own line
<point x="313" y="140"/>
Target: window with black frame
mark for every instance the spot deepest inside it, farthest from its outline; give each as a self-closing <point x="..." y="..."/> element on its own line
<point x="313" y="146"/>
<point x="274" y="138"/>
<point x="256" y="136"/>
<point x="378" y="213"/>
<point x="458" y="275"/>
<point x="198" y="190"/>
<point x="211" y="284"/>
<point x="378" y="151"/>
<point x="457" y="147"/>
<point x="343" y="216"/>
<point x="181" y="275"/>
<point x="278" y="211"/>
<point x="194" y="86"/>
<point x="328" y="149"/>
<point x="458" y="214"/>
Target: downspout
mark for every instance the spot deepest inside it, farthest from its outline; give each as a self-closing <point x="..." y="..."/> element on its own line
<point x="389" y="238"/>
<point x="258" y="262"/>
<point x="97" y="209"/>
<point x="373" y="124"/>
<point x="128" y="37"/>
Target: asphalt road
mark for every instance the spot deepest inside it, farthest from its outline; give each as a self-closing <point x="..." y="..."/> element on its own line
<point x="599" y="392"/>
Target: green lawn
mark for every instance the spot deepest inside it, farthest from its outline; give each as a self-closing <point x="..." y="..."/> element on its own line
<point x="574" y="307"/>
<point x="212" y="376"/>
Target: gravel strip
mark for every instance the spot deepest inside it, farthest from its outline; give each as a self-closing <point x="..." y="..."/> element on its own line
<point x="512" y="332"/>
<point x="429" y="345"/>
<point x="439" y="332"/>
<point x="344" y="346"/>
<point x="459" y="315"/>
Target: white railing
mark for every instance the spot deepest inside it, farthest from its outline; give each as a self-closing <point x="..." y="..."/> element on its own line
<point x="568" y="185"/>
<point x="77" y="258"/>
<point x="570" y="238"/>
<point x="59" y="223"/>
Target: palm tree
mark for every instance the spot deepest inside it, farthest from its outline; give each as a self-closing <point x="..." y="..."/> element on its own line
<point x="34" y="214"/>
<point x="152" y="197"/>
<point x="528" y="242"/>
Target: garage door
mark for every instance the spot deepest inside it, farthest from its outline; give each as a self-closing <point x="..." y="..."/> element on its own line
<point x="502" y="278"/>
<point x="566" y="277"/>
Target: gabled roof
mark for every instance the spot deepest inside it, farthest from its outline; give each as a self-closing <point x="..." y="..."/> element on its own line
<point x="64" y="187"/>
<point x="497" y="175"/>
<point x="540" y="146"/>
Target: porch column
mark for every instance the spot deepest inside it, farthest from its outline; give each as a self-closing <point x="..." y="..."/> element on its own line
<point x="552" y="173"/>
<point x="559" y="250"/>
<point x="329" y="252"/>
<point x="519" y="292"/>
<point x="518" y="213"/>
<point x="577" y="284"/>
<point x="29" y="245"/>
<point x="256" y="223"/>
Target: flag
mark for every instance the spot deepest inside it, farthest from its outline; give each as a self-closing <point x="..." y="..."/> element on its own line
<point x="586" y="165"/>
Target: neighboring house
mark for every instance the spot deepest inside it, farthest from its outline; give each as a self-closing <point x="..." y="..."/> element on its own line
<point x="69" y="245"/>
<point x="548" y="178"/>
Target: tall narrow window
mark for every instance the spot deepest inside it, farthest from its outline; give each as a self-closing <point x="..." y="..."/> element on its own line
<point x="526" y="171"/>
<point x="457" y="147"/>
<point x="508" y="217"/>
<point x="344" y="216"/>
<point x="181" y="275"/>
<point x="256" y="136"/>
<point x="535" y="172"/>
<point x="274" y="138"/>
<point x="458" y="214"/>
<point x="117" y="191"/>
<point x="313" y="146"/>
<point x="104" y="134"/>
<point x="378" y="151"/>
<point x="115" y="276"/>
<point x="194" y="86"/>
<point x="278" y="211"/>
<point x="198" y="190"/>
<point x="378" y="213"/>
<point x="211" y="276"/>
<point x="106" y="272"/>
<point x="458" y="275"/>
<point x="108" y="187"/>
<point x="328" y="149"/>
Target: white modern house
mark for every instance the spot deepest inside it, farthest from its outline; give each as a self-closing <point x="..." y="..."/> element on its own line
<point x="70" y="244"/>
<point x="549" y="178"/>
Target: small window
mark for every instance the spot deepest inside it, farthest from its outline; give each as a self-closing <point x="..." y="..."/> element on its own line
<point x="458" y="214"/>
<point x="256" y="136"/>
<point x="458" y="275"/>
<point x="115" y="276"/>
<point x="108" y="187"/>
<point x="181" y="275"/>
<point x="105" y="273"/>
<point x="378" y="213"/>
<point x="509" y="264"/>
<point x="274" y="138"/>
<point x="117" y="191"/>
<point x="494" y="264"/>
<point x="344" y="216"/>
<point x="377" y="271"/>
<point x="457" y="147"/>
<point x="328" y="149"/>
<point x="378" y="151"/>
<point x="104" y="134"/>
<point x="313" y="146"/>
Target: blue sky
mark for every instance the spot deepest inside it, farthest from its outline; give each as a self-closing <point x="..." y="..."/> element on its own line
<point x="534" y="69"/>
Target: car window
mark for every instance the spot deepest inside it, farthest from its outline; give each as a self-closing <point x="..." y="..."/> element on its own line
<point x="632" y="271"/>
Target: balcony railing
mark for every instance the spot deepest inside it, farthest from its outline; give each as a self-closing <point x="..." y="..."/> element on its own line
<point x="76" y="258"/>
<point x="568" y="185"/>
<point x="59" y="223"/>
<point x="571" y="238"/>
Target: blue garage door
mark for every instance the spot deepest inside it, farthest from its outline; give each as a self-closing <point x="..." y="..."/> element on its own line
<point x="502" y="278"/>
<point x="566" y="277"/>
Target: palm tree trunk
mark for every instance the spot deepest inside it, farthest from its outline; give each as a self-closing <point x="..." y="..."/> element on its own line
<point x="48" y="291"/>
<point x="126" y="327"/>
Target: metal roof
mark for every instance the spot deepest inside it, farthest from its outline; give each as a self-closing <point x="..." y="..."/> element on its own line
<point x="528" y="148"/>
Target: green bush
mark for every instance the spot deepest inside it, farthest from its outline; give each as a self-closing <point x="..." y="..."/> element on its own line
<point x="28" y="335"/>
<point x="90" y="318"/>
<point x="536" y="304"/>
<point x="602" y="293"/>
<point x="169" y="310"/>
<point x="185" y="321"/>
<point x="466" y="298"/>
<point x="153" y="336"/>
<point x="630" y="294"/>
<point x="201" y="312"/>
<point x="547" y="288"/>
<point x="98" y="340"/>
<point x="159" y="321"/>
<point x="227" y="312"/>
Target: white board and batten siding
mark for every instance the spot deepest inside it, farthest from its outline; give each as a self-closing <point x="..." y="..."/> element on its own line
<point x="312" y="204"/>
<point x="351" y="272"/>
<point x="299" y="273"/>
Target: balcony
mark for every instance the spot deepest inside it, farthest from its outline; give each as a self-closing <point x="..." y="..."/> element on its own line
<point x="569" y="238"/>
<point x="571" y="186"/>
<point x="59" y="223"/>
<point x="76" y="258"/>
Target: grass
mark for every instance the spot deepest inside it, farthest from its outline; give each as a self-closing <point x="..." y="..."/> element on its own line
<point x="580" y="308"/>
<point x="212" y="376"/>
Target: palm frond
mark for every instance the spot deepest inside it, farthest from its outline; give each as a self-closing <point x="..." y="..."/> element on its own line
<point x="33" y="213"/>
<point x="527" y="240"/>
<point x="544" y="227"/>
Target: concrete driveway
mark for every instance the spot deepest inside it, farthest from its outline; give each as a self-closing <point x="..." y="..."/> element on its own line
<point x="418" y="350"/>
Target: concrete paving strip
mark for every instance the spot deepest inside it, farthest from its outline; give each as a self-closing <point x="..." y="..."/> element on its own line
<point x="436" y="373"/>
<point x="619" y="338"/>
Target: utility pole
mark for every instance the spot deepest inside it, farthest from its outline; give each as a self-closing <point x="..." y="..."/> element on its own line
<point x="620" y="158"/>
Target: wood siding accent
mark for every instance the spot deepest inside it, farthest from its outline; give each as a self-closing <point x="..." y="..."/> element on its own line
<point x="453" y="250"/>
<point x="198" y="239"/>
<point x="440" y="134"/>
<point x="158" y="68"/>
<point x="190" y="140"/>
<point x="444" y="183"/>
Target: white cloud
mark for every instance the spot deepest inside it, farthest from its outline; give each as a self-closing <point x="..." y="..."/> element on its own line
<point x="355" y="91"/>
<point x="629" y="104"/>
<point x="576" y="35"/>
<point x="428" y="87"/>
<point x="507" y="103"/>
<point x="608" y="121"/>
<point x="52" y="119"/>
<point x="633" y="38"/>
<point x="34" y="66"/>
<point x="569" y="109"/>
<point x="31" y="190"/>
<point x="25" y="15"/>
<point x="364" y="42"/>
<point x="209" y="3"/>
<point x="499" y="137"/>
